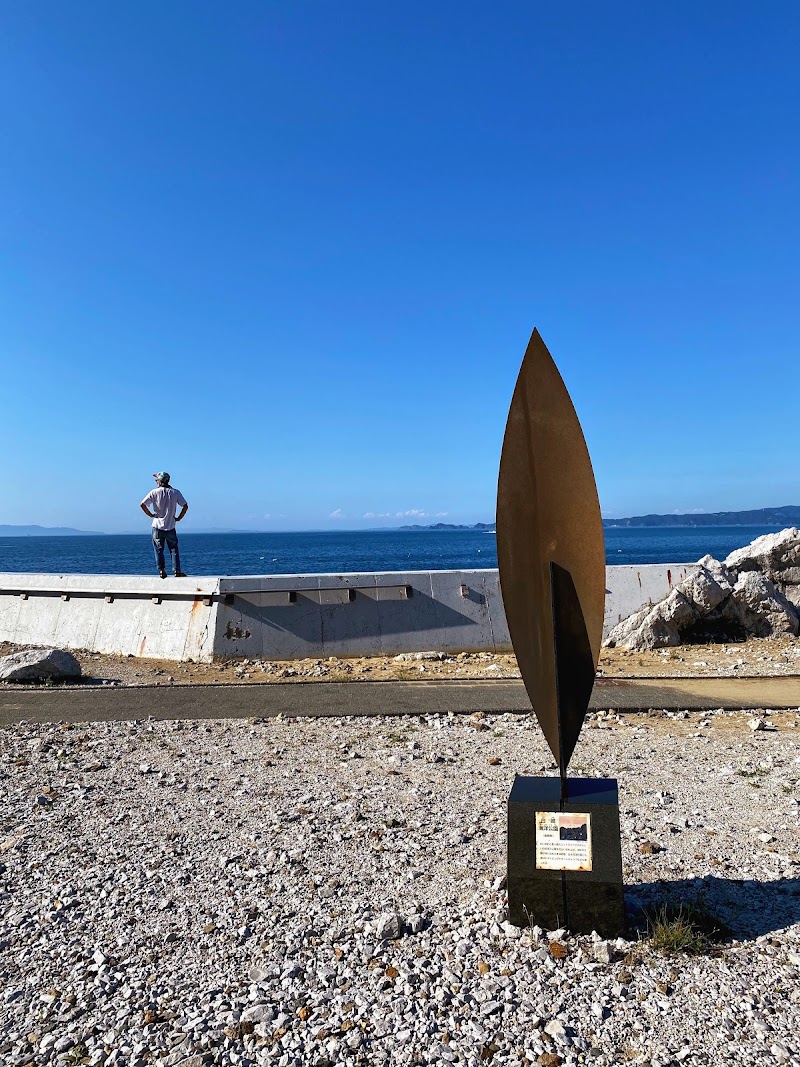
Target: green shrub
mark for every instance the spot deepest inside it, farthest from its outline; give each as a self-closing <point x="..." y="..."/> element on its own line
<point x="690" y="930"/>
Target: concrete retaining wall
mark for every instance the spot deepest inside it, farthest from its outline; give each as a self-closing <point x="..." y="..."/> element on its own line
<point x="286" y="616"/>
<point x="172" y="619"/>
<point x="630" y="588"/>
<point x="361" y="614"/>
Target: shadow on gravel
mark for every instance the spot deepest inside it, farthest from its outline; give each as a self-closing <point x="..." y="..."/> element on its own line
<point x="746" y="907"/>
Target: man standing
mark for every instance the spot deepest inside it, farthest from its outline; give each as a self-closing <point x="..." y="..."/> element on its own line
<point x="164" y="501"/>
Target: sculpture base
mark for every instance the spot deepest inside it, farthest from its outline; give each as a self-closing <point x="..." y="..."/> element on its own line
<point x="565" y="856"/>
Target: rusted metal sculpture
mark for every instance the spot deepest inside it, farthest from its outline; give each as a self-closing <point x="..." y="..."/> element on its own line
<point x="564" y="854"/>
<point x="550" y="551"/>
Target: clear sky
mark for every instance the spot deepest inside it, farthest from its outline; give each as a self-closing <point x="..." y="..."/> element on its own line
<point x="292" y="252"/>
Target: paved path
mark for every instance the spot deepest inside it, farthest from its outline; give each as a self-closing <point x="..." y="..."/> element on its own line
<point x="82" y="703"/>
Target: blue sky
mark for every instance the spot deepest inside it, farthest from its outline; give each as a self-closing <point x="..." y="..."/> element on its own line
<point x="293" y="253"/>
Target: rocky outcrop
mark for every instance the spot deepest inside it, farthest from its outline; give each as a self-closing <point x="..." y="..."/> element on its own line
<point x="39" y="665"/>
<point x="761" y="608"/>
<point x="755" y="590"/>
<point x="774" y="555"/>
<point x="656" y="626"/>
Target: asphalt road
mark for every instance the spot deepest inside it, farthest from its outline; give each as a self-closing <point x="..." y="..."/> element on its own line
<point x="89" y="704"/>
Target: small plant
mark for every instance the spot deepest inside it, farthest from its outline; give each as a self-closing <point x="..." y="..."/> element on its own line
<point x="75" y="1055"/>
<point x="753" y="777"/>
<point x="532" y="924"/>
<point x="684" y="929"/>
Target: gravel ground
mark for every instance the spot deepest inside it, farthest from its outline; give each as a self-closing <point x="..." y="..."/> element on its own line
<point x="292" y="892"/>
<point x="756" y="657"/>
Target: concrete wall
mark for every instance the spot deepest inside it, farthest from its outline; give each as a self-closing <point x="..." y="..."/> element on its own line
<point x="285" y="616"/>
<point x="628" y="589"/>
<point x="105" y="613"/>
<point x="360" y="614"/>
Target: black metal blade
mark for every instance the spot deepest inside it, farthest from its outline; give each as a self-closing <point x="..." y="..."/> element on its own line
<point x="575" y="664"/>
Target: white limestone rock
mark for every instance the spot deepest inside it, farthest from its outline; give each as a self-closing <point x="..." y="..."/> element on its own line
<point x="704" y="591"/>
<point x="625" y="629"/>
<point x="655" y="627"/>
<point x="761" y="608"/>
<point x="602" y="952"/>
<point x="718" y="571"/>
<point x="756" y="589"/>
<point x="39" y="665"/>
<point x="771" y="554"/>
<point x="258" y="1013"/>
<point x="389" y="926"/>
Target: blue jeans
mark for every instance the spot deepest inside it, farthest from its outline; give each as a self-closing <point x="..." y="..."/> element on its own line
<point x="170" y="538"/>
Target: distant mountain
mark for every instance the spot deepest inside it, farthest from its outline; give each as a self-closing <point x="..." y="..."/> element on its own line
<point x="451" y="526"/>
<point x="785" y="516"/>
<point x="46" y="531"/>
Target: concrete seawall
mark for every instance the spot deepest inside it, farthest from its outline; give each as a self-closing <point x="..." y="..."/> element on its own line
<point x="286" y="616"/>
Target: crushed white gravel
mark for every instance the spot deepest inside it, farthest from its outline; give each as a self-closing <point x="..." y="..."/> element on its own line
<point x="293" y="892"/>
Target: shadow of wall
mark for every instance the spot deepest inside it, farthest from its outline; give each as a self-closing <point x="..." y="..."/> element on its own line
<point x="379" y="614"/>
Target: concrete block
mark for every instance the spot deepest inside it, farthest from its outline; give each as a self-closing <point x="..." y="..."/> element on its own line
<point x="350" y="627"/>
<point x="501" y="638"/>
<point x="259" y="623"/>
<point x="78" y="622"/>
<point x="108" y="613"/>
<point x="199" y="640"/>
<point x="37" y="621"/>
<point x="630" y="588"/>
<point x="462" y="618"/>
<point x="406" y="625"/>
<point x="584" y="900"/>
<point x="10" y="606"/>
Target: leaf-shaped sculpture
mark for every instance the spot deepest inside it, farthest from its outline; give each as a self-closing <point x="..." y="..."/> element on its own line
<point x="550" y="550"/>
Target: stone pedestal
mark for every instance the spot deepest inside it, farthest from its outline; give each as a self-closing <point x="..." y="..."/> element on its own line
<point x="581" y="833"/>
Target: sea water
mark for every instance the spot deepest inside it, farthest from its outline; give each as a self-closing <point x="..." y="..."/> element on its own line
<point x="335" y="552"/>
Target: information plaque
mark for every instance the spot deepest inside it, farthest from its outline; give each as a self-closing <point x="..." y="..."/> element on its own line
<point x="563" y="841"/>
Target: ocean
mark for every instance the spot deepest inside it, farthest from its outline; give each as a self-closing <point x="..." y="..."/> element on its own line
<point x="338" y="552"/>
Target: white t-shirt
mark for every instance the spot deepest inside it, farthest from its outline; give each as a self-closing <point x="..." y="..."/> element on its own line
<point x="163" y="501"/>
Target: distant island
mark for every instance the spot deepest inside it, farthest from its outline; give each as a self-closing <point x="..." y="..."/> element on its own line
<point x="785" y="516"/>
<point x="46" y="531"/>
<point x="451" y="526"/>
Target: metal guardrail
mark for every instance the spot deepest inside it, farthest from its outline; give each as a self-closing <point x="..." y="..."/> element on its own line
<point x="109" y="595"/>
<point x="275" y="597"/>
